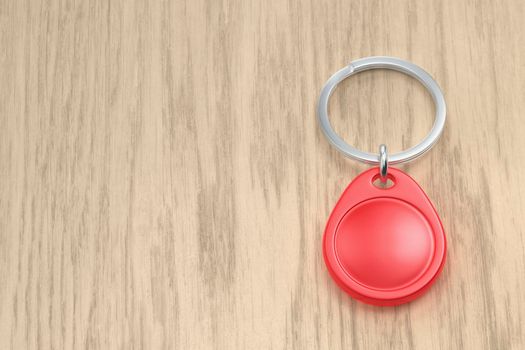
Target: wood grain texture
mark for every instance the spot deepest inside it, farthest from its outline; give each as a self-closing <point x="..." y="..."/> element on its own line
<point x="164" y="183"/>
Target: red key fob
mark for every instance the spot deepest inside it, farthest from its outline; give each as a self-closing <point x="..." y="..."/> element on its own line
<point x="384" y="246"/>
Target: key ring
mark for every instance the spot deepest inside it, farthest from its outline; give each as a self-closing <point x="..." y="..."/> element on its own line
<point x="384" y="245"/>
<point x="382" y="62"/>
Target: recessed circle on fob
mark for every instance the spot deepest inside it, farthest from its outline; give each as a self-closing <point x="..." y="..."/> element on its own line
<point x="384" y="244"/>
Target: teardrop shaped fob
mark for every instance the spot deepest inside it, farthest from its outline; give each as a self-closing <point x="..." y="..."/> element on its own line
<point x="384" y="246"/>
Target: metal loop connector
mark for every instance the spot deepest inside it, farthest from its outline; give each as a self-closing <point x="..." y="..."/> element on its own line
<point x="383" y="163"/>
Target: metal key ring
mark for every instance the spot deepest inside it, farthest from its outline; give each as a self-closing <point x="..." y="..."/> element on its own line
<point x="383" y="62"/>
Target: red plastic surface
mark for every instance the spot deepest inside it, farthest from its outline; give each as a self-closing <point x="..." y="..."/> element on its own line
<point x="384" y="246"/>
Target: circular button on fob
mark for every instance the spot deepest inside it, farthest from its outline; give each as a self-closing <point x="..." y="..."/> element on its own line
<point x="384" y="246"/>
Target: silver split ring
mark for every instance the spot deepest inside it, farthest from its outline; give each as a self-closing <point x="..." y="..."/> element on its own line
<point x="383" y="62"/>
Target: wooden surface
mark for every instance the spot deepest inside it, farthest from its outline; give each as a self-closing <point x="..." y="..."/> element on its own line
<point x="164" y="183"/>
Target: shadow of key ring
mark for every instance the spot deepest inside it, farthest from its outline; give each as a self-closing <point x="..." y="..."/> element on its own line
<point x="382" y="62"/>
